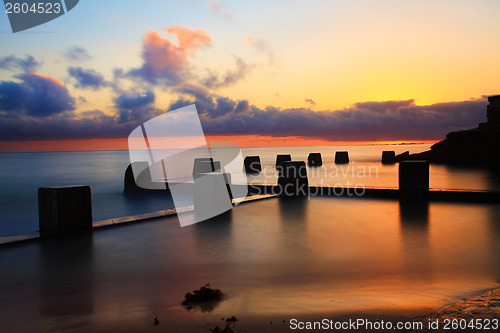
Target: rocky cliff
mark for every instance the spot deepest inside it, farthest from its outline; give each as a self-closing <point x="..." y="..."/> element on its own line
<point x="477" y="146"/>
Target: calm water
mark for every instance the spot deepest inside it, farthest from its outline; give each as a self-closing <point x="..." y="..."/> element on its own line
<point x="274" y="259"/>
<point x="22" y="173"/>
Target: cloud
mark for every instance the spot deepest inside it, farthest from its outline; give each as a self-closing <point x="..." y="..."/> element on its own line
<point x="77" y="54"/>
<point x="389" y="120"/>
<point x="92" y="124"/>
<point x="392" y="120"/>
<point x="87" y="78"/>
<point x="262" y="45"/>
<point x="165" y="62"/>
<point x="229" y="78"/>
<point x="36" y="95"/>
<point x="13" y="63"/>
<point x="310" y="101"/>
<point x="219" y="7"/>
<point x="134" y="106"/>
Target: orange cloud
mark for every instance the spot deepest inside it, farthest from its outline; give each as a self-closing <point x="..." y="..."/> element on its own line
<point x="189" y="39"/>
<point x="47" y="78"/>
<point x="164" y="60"/>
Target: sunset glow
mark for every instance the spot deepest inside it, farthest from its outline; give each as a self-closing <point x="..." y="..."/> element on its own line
<point x="302" y="73"/>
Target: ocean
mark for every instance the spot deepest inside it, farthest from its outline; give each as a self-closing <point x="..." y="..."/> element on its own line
<point x="21" y="174"/>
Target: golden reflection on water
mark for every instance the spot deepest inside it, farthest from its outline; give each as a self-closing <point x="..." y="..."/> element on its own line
<point x="281" y="257"/>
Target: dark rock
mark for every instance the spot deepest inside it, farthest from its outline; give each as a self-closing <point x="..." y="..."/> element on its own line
<point x="252" y="164"/>
<point x="423" y="156"/>
<point x="402" y="157"/>
<point x="142" y="178"/>
<point x="227" y="329"/>
<point x="156" y="321"/>
<point x="232" y="319"/>
<point x="477" y="146"/>
<point x="341" y="157"/>
<point x="388" y="157"/>
<point x="204" y="294"/>
<point x="314" y="160"/>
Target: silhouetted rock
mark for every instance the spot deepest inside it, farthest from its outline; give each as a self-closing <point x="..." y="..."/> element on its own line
<point x="143" y="179"/>
<point x="227" y="329"/>
<point x="388" y="157"/>
<point x="477" y="146"/>
<point x="314" y="160"/>
<point x="341" y="157"/>
<point x="204" y="294"/>
<point x="402" y="157"/>
<point x="232" y="319"/>
<point x="252" y="164"/>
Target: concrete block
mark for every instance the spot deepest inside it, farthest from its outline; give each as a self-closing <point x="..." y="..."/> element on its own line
<point x="388" y="157"/>
<point x="314" y="160"/>
<point x="292" y="179"/>
<point x="414" y="178"/>
<point x="205" y="165"/>
<point x="64" y="210"/>
<point x="282" y="158"/>
<point x="252" y="164"/>
<point x="341" y="157"/>
<point x="211" y="195"/>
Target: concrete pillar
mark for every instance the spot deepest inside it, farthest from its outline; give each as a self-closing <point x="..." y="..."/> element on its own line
<point x="205" y="165"/>
<point x="388" y="157"/>
<point x="64" y="210"/>
<point x="282" y="158"/>
<point x="202" y="165"/>
<point x="341" y="157"/>
<point x="211" y="195"/>
<point x="413" y="179"/>
<point x="292" y="179"/>
<point x="252" y="164"/>
<point x="314" y="160"/>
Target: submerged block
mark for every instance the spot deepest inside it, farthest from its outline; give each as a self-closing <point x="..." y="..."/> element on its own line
<point x="64" y="210"/>
<point x="282" y="158"/>
<point x="414" y="178"/>
<point x="341" y="157"/>
<point x="252" y="164"/>
<point x="292" y="179"/>
<point x="314" y="159"/>
<point x="388" y="157"/>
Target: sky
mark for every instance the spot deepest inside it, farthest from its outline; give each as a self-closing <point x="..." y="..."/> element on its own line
<point x="260" y="72"/>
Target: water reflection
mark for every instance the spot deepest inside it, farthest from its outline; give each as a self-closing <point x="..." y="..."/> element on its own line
<point x="414" y="220"/>
<point x="213" y="238"/>
<point x="494" y="241"/>
<point x="66" y="280"/>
